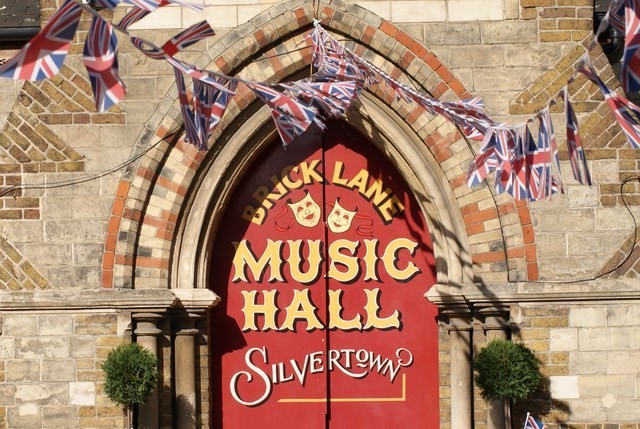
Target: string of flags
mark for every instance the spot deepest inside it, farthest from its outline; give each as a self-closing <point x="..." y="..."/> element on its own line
<point x="531" y="422"/>
<point x="524" y="167"/>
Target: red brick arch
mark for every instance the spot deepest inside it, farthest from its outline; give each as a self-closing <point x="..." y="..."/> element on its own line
<point x="152" y="197"/>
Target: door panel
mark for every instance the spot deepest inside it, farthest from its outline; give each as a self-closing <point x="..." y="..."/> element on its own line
<point x="322" y="260"/>
<point x="267" y="331"/>
<point x="394" y="377"/>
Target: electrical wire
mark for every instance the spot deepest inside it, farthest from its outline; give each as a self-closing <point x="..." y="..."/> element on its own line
<point x="316" y="9"/>
<point x="63" y="183"/>
<point x="627" y="256"/>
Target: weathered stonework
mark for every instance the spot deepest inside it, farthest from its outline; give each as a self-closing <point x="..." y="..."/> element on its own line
<point x="140" y="235"/>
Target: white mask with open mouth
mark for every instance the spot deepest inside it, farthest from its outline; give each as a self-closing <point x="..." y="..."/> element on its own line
<point x="306" y="211"/>
<point x="340" y="219"/>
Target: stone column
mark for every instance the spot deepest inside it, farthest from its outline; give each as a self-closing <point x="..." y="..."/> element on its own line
<point x="146" y="333"/>
<point x="496" y="326"/>
<point x="185" y="364"/>
<point x="460" y="329"/>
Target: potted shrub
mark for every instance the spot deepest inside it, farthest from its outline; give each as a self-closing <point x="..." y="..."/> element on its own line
<point x="131" y="374"/>
<point x="506" y="372"/>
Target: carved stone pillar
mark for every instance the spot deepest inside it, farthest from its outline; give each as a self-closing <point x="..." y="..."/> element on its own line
<point x="146" y="333"/>
<point x="190" y="307"/>
<point x="185" y="364"/>
<point x="496" y="326"/>
<point x="460" y="328"/>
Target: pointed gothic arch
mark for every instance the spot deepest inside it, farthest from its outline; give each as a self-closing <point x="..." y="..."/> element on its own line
<point x="166" y="205"/>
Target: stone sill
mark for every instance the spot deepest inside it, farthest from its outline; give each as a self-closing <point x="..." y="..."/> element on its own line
<point x="103" y="299"/>
<point x="595" y="291"/>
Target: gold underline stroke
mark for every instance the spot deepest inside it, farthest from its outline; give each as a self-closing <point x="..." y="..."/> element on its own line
<point x="306" y="400"/>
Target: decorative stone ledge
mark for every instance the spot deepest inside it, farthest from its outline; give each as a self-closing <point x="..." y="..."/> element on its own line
<point x="116" y="299"/>
<point x="195" y="298"/>
<point x="445" y="295"/>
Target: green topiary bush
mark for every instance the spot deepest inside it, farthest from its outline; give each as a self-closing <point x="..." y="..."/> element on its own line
<point x="506" y="371"/>
<point x="131" y="373"/>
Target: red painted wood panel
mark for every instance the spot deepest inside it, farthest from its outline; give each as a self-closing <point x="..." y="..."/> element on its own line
<point x="322" y="260"/>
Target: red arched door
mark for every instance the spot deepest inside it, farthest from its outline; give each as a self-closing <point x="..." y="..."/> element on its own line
<point x="322" y="260"/>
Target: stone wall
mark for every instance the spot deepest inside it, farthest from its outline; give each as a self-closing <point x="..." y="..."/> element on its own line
<point x="91" y="228"/>
<point x="51" y="374"/>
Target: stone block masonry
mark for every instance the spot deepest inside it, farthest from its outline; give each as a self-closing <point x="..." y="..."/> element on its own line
<point x="51" y="374"/>
<point x="589" y="356"/>
<point x="120" y="233"/>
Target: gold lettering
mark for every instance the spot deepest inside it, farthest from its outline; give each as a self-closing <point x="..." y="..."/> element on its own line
<point x="349" y="261"/>
<point x="301" y="308"/>
<point x="390" y="208"/>
<point x="371" y="260"/>
<point x="255" y="215"/>
<point x="244" y="258"/>
<point x="390" y="258"/>
<point x="251" y="309"/>
<point x="286" y="178"/>
<point x="309" y="172"/>
<point x="376" y="189"/>
<point x="359" y="181"/>
<point x="262" y="195"/>
<point x="337" y="172"/>
<point x="335" y="314"/>
<point x="296" y="261"/>
<point x="373" y="307"/>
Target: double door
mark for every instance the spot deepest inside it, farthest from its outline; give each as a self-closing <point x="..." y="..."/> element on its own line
<point x="322" y="260"/>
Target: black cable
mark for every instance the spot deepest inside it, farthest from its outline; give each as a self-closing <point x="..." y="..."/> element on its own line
<point x="71" y="182"/>
<point x="628" y="255"/>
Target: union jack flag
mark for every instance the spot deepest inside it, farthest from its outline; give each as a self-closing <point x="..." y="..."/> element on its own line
<point x="209" y="104"/>
<point x="577" y="157"/>
<point x="43" y="56"/>
<point x="221" y="103"/>
<point x="486" y="159"/>
<point x="513" y="177"/>
<point x="188" y="37"/>
<point x="510" y="151"/>
<point x="509" y="155"/>
<point x="184" y="39"/>
<point x="616" y="16"/>
<point x="626" y="113"/>
<point x="100" y="57"/>
<point x="552" y="182"/>
<point x="152" y="5"/>
<point x="189" y="121"/>
<point x="109" y="4"/>
<point x="191" y="71"/>
<point x="332" y="59"/>
<point x="541" y="181"/>
<point x="631" y="58"/>
<point x="333" y="98"/>
<point x="533" y="423"/>
<point x="133" y="16"/>
<point x="290" y="117"/>
<point x="470" y="116"/>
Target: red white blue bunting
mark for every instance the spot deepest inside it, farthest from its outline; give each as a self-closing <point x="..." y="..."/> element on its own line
<point x="524" y="167"/>
<point x="100" y="57"/>
<point x="44" y="55"/>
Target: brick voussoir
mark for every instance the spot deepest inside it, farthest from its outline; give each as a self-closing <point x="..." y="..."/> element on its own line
<point x="436" y="77"/>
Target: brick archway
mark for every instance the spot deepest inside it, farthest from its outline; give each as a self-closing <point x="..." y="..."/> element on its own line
<point x="491" y="238"/>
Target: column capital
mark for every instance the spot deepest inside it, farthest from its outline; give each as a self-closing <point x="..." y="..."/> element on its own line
<point x="146" y="323"/>
<point x="493" y="317"/>
<point x="458" y="317"/>
<point x="186" y="319"/>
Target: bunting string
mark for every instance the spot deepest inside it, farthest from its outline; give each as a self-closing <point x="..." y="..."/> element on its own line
<point x="526" y="168"/>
